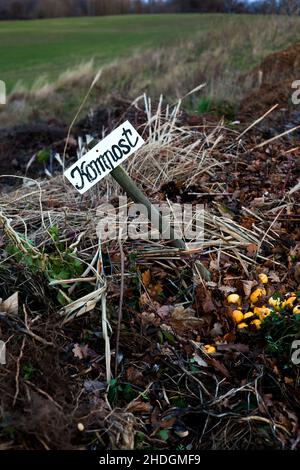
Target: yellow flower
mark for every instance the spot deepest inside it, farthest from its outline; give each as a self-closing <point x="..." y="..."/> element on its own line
<point x="296" y="310"/>
<point x="257" y="294"/>
<point x="274" y="302"/>
<point x="262" y="312"/>
<point x="289" y="302"/>
<point x="209" y="349"/>
<point x="256" y="323"/>
<point x="263" y="278"/>
<point x="242" y="325"/>
<point x="237" y="316"/>
<point x="233" y="299"/>
<point x="248" y="315"/>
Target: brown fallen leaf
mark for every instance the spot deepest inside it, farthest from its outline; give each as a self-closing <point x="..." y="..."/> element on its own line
<point x="134" y="376"/>
<point x="229" y="337"/>
<point x="164" y="311"/>
<point x="184" y="320"/>
<point x="139" y="406"/>
<point x="155" y="290"/>
<point x="218" y="366"/>
<point x="146" y="278"/>
<point x="10" y="306"/>
<point x="252" y="249"/>
<point x="80" y="352"/>
<point x="217" y="330"/>
<point x="248" y="286"/>
<point x="183" y="314"/>
<point x="208" y="306"/>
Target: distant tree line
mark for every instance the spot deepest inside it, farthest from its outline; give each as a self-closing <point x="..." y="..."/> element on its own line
<point x="29" y="9"/>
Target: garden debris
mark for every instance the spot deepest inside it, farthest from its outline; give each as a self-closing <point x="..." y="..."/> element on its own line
<point x="201" y="365"/>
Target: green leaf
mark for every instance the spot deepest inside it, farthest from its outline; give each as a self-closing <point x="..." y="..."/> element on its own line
<point x="43" y="155"/>
<point x="61" y="299"/>
<point x="164" y="434"/>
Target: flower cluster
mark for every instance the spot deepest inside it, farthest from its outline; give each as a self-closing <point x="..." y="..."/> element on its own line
<point x="255" y="314"/>
<point x="261" y="304"/>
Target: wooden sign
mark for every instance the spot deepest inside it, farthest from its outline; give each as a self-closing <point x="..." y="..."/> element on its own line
<point x="104" y="157"/>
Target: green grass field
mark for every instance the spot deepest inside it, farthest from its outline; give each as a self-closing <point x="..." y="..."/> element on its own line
<point x="156" y="54"/>
<point x="30" y="50"/>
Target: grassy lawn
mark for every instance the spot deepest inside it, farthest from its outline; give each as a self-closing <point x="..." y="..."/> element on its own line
<point x="160" y="54"/>
<point x="33" y="49"/>
<point x="29" y="49"/>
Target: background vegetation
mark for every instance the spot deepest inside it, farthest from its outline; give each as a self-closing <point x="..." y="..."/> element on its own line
<point x="48" y="65"/>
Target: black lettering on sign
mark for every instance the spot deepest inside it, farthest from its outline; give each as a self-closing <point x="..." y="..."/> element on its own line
<point x="118" y="154"/>
<point x="124" y="146"/>
<point x="107" y="156"/>
<point x="125" y="134"/>
<point x="83" y="174"/>
<point x="98" y="162"/>
<point x="103" y="159"/>
<point x="93" y="174"/>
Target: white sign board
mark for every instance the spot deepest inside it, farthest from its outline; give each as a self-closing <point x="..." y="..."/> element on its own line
<point x="104" y="157"/>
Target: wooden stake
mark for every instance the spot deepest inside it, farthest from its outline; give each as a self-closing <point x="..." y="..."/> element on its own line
<point x="154" y="215"/>
<point x="129" y="186"/>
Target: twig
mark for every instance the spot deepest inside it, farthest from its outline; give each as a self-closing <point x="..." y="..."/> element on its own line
<point x="275" y="138"/>
<point x="78" y="112"/>
<point x="36" y="337"/>
<point x="120" y="305"/>
<point x="257" y="121"/>
<point x="100" y="271"/>
<point x="71" y="281"/>
<point x="45" y="394"/>
<point x="18" y="371"/>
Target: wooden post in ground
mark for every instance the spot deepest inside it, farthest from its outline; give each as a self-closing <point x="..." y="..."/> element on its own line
<point x="129" y="186"/>
<point x="126" y="182"/>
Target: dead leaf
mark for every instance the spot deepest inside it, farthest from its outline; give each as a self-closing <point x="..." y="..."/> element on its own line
<point x="248" y="286"/>
<point x="134" y="376"/>
<point x="184" y="319"/>
<point x="146" y="278"/>
<point x="139" y="406"/>
<point x="164" y="311"/>
<point x="218" y="366"/>
<point x="80" y="351"/>
<point x="217" y="330"/>
<point x="149" y="318"/>
<point x="156" y="290"/>
<point x="183" y="314"/>
<point x="214" y="265"/>
<point x="10" y="306"/>
<point x="208" y="306"/>
<point x="252" y="249"/>
<point x="227" y="289"/>
<point x="93" y="385"/>
<point x="229" y="337"/>
<point x="274" y="276"/>
<point x="144" y="299"/>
